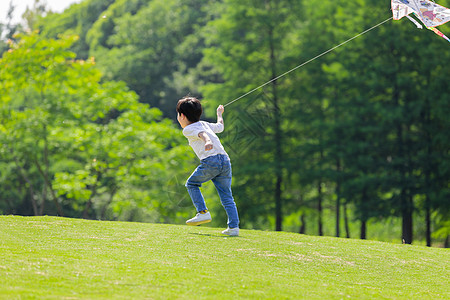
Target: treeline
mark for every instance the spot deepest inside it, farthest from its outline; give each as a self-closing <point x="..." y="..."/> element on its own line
<point x="360" y="134"/>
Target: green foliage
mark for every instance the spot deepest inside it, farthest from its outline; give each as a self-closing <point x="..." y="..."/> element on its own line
<point x="152" y="45"/>
<point x="149" y="46"/>
<point x="245" y="49"/>
<point x="349" y="136"/>
<point x="8" y="29"/>
<point x="88" y="145"/>
<point x="356" y="138"/>
<point x="77" y="20"/>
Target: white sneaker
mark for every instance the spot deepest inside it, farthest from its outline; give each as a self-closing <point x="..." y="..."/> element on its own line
<point x="231" y="231"/>
<point x="199" y="219"/>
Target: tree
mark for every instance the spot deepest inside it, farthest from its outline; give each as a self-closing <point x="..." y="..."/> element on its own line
<point x="403" y="96"/>
<point x="8" y="30"/>
<point x="88" y="146"/>
<point x="248" y="48"/>
<point x="152" y="46"/>
<point x="32" y="14"/>
<point x="76" y="20"/>
<point x="361" y="130"/>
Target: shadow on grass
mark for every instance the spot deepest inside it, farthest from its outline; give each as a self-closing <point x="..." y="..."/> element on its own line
<point x="213" y="235"/>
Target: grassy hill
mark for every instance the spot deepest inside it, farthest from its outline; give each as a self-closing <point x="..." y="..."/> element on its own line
<point x="60" y="258"/>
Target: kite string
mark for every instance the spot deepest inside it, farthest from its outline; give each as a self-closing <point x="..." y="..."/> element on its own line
<point x="307" y="62"/>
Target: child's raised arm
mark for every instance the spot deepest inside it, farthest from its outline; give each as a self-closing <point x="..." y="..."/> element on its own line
<point x="220" y="111"/>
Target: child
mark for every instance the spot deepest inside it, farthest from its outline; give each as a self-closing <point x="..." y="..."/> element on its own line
<point x="214" y="162"/>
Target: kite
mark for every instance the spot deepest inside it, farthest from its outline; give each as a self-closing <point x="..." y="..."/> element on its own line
<point x="430" y="13"/>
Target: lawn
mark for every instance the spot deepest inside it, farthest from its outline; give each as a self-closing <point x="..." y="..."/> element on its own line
<point x="61" y="258"/>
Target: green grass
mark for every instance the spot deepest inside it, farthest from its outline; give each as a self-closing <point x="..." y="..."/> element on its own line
<point x="59" y="258"/>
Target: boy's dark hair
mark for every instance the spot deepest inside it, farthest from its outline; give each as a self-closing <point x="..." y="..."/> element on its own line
<point x="191" y="108"/>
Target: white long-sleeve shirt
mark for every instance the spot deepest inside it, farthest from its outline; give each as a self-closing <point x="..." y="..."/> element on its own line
<point x="191" y="132"/>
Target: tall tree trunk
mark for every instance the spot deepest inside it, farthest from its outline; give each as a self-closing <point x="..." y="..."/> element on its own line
<point x="338" y="216"/>
<point x="302" y="229"/>
<point x="428" y="220"/>
<point x="364" y="215"/>
<point x="319" y="207"/>
<point x="428" y="167"/>
<point x="363" y="232"/>
<point x="46" y="170"/>
<point x="347" y="229"/>
<point x="49" y="185"/>
<point x="338" y="200"/>
<point x="278" y="138"/>
<point x="303" y="226"/>
<point x="406" y="196"/>
<point x="399" y="167"/>
<point x="320" y="198"/>
<point x="405" y="205"/>
<point x="407" y="218"/>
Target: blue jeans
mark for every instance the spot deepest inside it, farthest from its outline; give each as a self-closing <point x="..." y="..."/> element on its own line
<point x="216" y="168"/>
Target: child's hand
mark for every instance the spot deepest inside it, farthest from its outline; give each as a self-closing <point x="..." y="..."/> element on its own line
<point x="207" y="140"/>
<point x="220" y="109"/>
<point x="208" y="146"/>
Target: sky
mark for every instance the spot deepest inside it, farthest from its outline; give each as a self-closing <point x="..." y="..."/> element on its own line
<point x="21" y="5"/>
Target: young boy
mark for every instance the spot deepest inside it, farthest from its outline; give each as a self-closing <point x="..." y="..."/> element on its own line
<point x="214" y="162"/>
